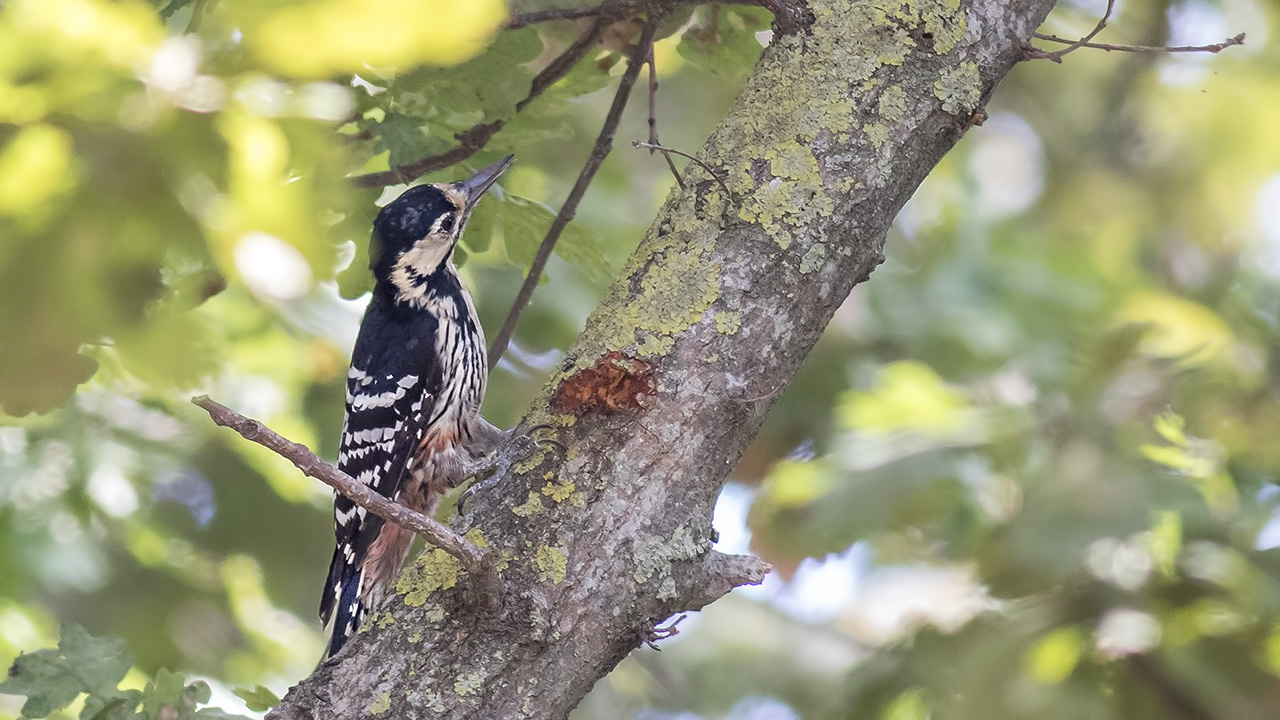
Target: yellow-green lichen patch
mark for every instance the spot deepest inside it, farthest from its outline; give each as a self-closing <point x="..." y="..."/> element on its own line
<point x="946" y="22"/>
<point x="476" y="537"/>
<point x="551" y="562"/>
<point x="429" y="572"/>
<point x="893" y="103"/>
<point x="651" y="556"/>
<point x="559" y="492"/>
<point x="676" y="288"/>
<point x="530" y="506"/>
<point x="877" y="133"/>
<point x="959" y="88"/>
<point x="381" y="704"/>
<point x="386" y="620"/>
<point x="667" y="590"/>
<point x="655" y="345"/>
<point x="727" y="323"/>
<point x="531" y="462"/>
<point x="467" y="683"/>
<point x="675" y="292"/>
<point x="813" y="258"/>
<point x="793" y="199"/>
<point x="415" y="638"/>
<point x="433" y="613"/>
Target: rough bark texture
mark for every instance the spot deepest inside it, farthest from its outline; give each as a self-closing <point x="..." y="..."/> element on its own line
<point x="710" y="318"/>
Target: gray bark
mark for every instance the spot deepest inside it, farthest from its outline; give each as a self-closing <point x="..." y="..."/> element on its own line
<point x="711" y="317"/>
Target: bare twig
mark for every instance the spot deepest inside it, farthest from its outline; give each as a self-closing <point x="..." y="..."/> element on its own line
<point x="516" y="22"/>
<point x="604" y="143"/>
<point x="477" y="561"/>
<point x="654" y="143"/>
<point x="712" y="173"/>
<point x="1214" y="48"/>
<point x="1071" y="47"/>
<point x="470" y="142"/>
<point x="564" y="62"/>
<point x="612" y="10"/>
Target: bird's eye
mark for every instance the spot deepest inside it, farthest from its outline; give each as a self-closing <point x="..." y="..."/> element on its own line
<point x="447" y="223"/>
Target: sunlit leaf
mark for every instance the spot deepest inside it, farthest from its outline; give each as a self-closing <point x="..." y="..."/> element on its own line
<point x="909" y="396"/>
<point x="1054" y="658"/>
<point x="1180" y="329"/>
<point x="344" y="36"/>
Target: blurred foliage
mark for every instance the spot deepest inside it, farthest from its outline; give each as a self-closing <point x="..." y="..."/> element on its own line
<point x="1029" y="470"/>
<point x="94" y="668"/>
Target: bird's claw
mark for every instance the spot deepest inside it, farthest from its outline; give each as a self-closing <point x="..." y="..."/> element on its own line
<point x="493" y="468"/>
<point x="657" y="632"/>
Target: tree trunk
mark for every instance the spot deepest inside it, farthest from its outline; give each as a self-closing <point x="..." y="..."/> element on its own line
<point x="710" y="318"/>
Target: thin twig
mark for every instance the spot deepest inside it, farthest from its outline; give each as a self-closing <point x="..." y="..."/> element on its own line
<point x="612" y="10"/>
<point x="1102" y="23"/>
<point x="604" y="143"/>
<point x="654" y="143"/>
<point x="564" y="62"/>
<point x="515" y="22"/>
<point x="470" y="142"/>
<point x="1215" y="48"/>
<point x="479" y="562"/>
<point x="712" y="173"/>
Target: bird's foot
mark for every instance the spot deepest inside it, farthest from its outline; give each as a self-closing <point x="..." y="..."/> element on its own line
<point x="652" y="634"/>
<point x="513" y="446"/>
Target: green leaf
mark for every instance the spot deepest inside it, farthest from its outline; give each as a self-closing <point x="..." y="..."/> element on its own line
<point x="259" y="699"/>
<point x="406" y="139"/>
<point x="52" y="679"/>
<point x="524" y="225"/>
<point x="581" y="247"/>
<point x="585" y="78"/>
<point x="481" y="227"/>
<point x="483" y="89"/>
<point x="166" y="697"/>
<point x="725" y="45"/>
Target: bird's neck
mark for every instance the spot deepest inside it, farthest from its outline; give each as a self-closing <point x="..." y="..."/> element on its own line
<point x="440" y="293"/>
<point x="419" y="278"/>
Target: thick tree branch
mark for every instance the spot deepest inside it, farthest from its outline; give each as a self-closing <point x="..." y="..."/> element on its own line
<point x="714" y="312"/>
<point x="478" y="562"/>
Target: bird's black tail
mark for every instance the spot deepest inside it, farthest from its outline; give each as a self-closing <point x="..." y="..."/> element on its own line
<point x="341" y="607"/>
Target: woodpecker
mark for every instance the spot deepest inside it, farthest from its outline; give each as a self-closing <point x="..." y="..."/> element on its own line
<point x="412" y="427"/>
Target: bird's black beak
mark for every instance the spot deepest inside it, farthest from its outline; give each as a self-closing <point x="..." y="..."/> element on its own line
<point x="476" y="185"/>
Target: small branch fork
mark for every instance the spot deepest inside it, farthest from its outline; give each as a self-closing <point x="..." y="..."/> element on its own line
<point x="604" y="143"/>
<point x="479" y="563"/>
<point x="1034" y="53"/>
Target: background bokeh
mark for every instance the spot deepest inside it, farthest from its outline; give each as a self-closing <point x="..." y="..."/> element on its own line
<point x="1031" y="468"/>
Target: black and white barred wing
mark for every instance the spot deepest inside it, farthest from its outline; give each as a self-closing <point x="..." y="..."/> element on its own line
<point x="384" y="420"/>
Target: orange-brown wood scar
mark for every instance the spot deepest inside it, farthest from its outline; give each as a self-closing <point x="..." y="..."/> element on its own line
<point x="615" y="383"/>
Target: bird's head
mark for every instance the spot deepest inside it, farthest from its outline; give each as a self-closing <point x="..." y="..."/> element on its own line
<point x="414" y="235"/>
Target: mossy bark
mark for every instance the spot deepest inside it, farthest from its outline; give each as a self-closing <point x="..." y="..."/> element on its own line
<point x="734" y="282"/>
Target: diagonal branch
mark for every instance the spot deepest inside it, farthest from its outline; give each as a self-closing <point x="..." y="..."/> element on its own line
<point x="604" y="143"/>
<point x="477" y="561"/>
